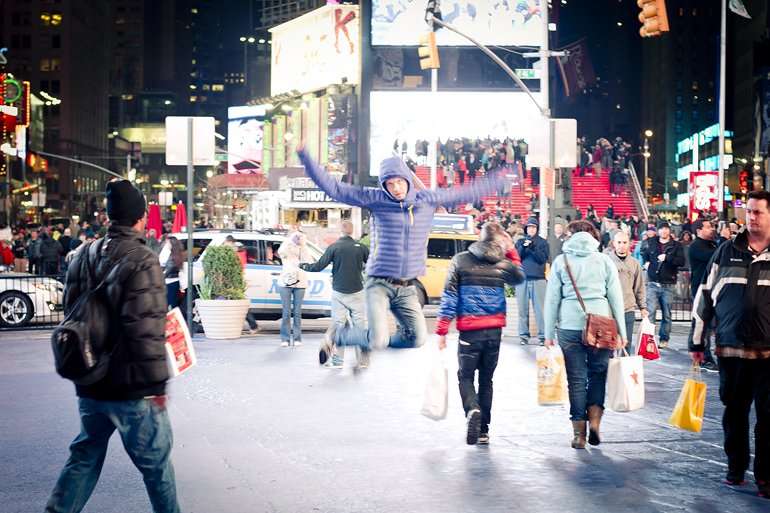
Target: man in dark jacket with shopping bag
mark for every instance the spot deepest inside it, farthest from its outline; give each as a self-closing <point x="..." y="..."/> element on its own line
<point x="402" y="216"/>
<point x="700" y="252"/>
<point x="534" y="253"/>
<point x="735" y="292"/>
<point x="131" y="398"/>
<point x="474" y="295"/>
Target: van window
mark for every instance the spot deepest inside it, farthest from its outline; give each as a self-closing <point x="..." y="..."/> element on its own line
<point x="441" y="248"/>
<point x="198" y="246"/>
<point x="270" y="252"/>
<point x="463" y="245"/>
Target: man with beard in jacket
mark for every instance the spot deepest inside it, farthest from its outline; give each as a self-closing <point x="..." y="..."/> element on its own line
<point x="737" y="276"/>
<point x="474" y="294"/>
<point x="402" y="218"/>
<point x="131" y="398"/>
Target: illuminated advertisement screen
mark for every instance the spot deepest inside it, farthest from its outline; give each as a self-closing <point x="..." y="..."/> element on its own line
<point x="704" y="195"/>
<point x="448" y="114"/>
<point x="491" y="22"/>
<point x="245" y="136"/>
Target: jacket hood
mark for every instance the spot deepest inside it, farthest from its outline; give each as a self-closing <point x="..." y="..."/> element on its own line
<point x="394" y="167"/>
<point x="487" y="251"/>
<point x="581" y="244"/>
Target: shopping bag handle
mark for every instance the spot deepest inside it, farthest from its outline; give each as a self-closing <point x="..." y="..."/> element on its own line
<point x="695" y="371"/>
<point x="622" y="351"/>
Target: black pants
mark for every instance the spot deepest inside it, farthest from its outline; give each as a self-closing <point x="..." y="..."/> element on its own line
<point x="478" y="354"/>
<point x="742" y="382"/>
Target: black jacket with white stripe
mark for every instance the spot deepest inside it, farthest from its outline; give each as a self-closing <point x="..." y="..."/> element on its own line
<point x="735" y="292"/>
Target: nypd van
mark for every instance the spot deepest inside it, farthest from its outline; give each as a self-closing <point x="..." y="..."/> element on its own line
<point x="263" y="269"/>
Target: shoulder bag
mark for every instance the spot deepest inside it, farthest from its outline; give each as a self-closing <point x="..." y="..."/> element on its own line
<point x="600" y="332"/>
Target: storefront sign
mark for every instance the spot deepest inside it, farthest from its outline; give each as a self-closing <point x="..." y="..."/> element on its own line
<point x="318" y="49"/>
<point x="310" y="195"/>
<point x="704" y="187"/>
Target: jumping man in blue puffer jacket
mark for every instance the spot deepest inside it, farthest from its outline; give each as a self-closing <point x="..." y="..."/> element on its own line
<point x="402" y="221"/>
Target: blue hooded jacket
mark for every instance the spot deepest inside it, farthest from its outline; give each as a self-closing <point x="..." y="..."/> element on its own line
<point x="399" y="238"/>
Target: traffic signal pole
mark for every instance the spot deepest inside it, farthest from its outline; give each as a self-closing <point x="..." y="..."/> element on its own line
<point x="544" y="109"/>
<point x="722" y="95"/>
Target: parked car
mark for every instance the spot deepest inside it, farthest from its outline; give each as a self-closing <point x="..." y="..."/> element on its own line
<point x="29" y="299"/>
<point x="263" y="268"/>
<point x="451" y="234"/>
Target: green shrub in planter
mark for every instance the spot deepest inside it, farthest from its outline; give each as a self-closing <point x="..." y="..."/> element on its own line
<point x="222" y="274"/>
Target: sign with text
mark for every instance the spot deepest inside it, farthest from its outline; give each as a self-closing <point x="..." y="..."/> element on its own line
<point x="310" y="195"/>
<point x="703" y="188"/>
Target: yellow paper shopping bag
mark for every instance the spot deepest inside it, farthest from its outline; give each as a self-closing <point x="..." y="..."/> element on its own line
<point x="551" y="376"/>
<point x="688" y="412"/>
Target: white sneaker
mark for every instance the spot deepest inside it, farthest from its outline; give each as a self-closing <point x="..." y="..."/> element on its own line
<point x="297" y="343"/>
<point x="284" y="344"/>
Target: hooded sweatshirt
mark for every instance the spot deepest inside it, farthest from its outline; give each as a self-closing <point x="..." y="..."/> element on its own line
<point x="399" y="241"/>
<point x="533" y="256"/>
<point x="597" y="279"/>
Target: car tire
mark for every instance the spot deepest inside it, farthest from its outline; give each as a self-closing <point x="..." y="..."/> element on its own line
<point x="16" y="309"/>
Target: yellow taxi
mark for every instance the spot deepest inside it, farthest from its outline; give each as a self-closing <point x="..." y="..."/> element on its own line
<point x="451" y="234"/>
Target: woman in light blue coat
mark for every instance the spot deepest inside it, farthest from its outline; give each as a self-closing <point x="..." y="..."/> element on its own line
<point x="597" y="280"/>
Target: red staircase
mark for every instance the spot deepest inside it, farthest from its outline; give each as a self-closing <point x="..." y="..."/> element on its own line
<point x="517" y="203"/>
<point x="592" y="190"/>
<point x="585" y="190"/>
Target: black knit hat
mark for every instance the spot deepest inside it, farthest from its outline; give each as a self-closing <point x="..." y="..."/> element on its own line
<point x="532" y="221"/>
<point x="125" y="203"/>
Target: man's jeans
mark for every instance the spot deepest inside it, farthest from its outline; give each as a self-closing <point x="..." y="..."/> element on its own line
<point x="478" y="355"/>
<point x="349" y="306"/>
<point x="630" y="318"/>
<point x="534" y="291"/>
<point x="145" y="430"/>
<point x="661" y="294"/>
<point x="405" y="305"/>
<point x="741" y="382"/>
<point x="291" y="298"/>
<point x="586" y="373"/>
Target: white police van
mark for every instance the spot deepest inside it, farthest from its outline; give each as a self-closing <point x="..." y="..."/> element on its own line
<point x="263" y="268"/>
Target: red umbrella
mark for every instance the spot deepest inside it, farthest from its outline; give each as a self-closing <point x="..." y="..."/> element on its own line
<point x="153" y="220"/>
<point x="180" y="219"/>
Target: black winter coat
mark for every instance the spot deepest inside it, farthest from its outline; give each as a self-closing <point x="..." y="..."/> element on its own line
<point x="50" y="249"/>
<point x="700" y="252"/>
<point x="136" y="293"/>
<point x="666" y="271"/>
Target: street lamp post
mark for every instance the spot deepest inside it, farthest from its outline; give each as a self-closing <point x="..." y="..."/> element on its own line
<point x="646" y="154"/>
<point x="246" y="41"/>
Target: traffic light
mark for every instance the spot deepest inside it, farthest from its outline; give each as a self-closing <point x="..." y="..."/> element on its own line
<point x="428" y="51"/>
<point x="653" y="17"/>
<point x="648" y="183"/>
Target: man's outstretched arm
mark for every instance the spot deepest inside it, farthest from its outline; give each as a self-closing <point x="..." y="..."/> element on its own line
<point x="342" y="192"/>
<point x="470" y="193"/>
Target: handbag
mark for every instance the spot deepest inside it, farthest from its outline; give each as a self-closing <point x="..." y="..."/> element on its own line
<point x="600" y="331"/>
<point x="625" y="382"/>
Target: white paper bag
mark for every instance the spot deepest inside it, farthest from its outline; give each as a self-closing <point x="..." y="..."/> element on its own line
<point x="625" y="383"/>
<point x="435" y="397"/>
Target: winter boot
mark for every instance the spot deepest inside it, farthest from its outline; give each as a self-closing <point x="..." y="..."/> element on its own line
<point x="594" y="420"/>
<point x="579" y="430"/>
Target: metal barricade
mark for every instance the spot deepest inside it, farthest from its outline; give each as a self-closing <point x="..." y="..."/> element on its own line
<point x="29" y="302"/>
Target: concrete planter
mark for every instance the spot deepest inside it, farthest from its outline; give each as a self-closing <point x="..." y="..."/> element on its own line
<point x="223" y="318"/>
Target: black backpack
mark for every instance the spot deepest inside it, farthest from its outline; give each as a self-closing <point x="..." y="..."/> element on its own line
<point x="81" y="344"/>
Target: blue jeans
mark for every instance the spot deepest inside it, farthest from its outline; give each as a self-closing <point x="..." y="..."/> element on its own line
<point x="405" y="305"/>
<point x="534" y="291"/>
<point x="291" y="298"/>
<point x="172" y="294"/>
<point x="661" y="294"/>
<point x="145" y="430"/>
<point x="586" y="373"/>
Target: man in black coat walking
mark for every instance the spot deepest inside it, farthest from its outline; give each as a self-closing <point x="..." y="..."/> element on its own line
<point x="700" y="252"/>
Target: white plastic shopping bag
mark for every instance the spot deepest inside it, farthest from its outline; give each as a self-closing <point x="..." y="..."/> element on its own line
<point x="551" y="376"/>
<point x="625" y="382"/>
<point x="436" y="396"/>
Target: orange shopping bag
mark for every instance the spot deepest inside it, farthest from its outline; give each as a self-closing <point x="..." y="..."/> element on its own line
<point x="688" y="412"/>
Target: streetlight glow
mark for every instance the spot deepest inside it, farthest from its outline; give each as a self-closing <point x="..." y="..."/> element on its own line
<point x="648" y="133"/>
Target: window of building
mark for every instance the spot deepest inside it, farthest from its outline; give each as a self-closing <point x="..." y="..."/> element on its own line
<point x="193" y="99"/>
<point x="679" y="99"/>
<point x="56" y="41"/>
<point x="678" y="115"/>
<point x="16" y="41"/>
<point x="55" y="87"/>
<point x="218" y="87"/>
<point x="45" y="64"/>
<point x="694" y="85"/>
<point x="206" y="87"/>
<point x="26" y="41"/>
<point x="44" y="85"/>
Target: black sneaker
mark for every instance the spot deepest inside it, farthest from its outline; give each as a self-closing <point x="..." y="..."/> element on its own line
<point x="523" y="341"/>
<point x="474" y="426"/>
<point x="483" y="439"/>
<point x="542" y="343"/>
<point x="710" y="366"/>
<point x="735" y="479"/>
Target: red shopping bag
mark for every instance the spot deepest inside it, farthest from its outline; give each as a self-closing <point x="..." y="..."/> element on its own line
<point x="646" y="347"/>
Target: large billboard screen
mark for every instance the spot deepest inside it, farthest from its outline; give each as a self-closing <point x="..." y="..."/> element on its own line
<point x="422" y="115"/>
<point x="244" y="139"/>
<point x="704" y="192"/>
<point x="491" y="22"/>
